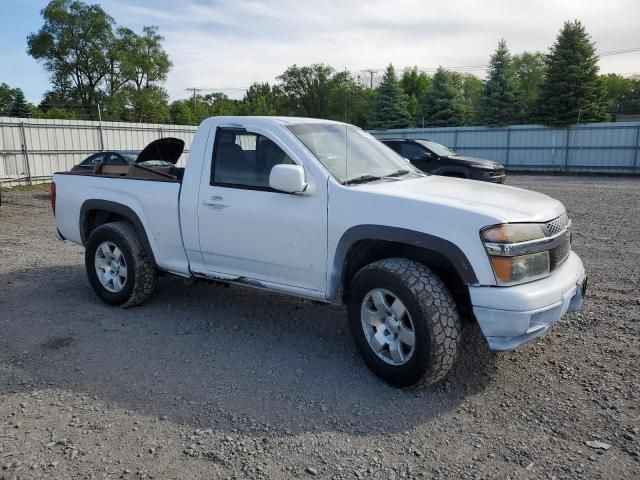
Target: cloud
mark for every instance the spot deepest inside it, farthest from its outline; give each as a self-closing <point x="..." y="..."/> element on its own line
<point x="233" y="43"/>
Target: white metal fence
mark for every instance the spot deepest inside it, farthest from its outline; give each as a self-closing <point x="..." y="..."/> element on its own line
<point x="33" y="149"/>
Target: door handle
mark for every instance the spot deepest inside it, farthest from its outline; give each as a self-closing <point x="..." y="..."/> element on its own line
<point x="215" y="203"/>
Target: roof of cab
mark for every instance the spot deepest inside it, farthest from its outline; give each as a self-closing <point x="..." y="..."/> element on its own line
<point x="265" y="119"/>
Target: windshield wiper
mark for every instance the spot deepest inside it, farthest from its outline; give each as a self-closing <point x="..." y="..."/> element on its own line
<point x="397" y="173"/>
<point x="361" y="179"/>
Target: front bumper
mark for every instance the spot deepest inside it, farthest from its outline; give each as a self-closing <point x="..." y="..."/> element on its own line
<point x="512" y="316"/>
<point x="489" y="176"/>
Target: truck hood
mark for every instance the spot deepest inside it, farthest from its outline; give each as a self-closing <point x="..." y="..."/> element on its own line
<point x="504" y="203"/>
<point x="168" y="149"/>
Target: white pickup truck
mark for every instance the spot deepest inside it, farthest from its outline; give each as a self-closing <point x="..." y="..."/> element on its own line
<point x="322" y="210"/>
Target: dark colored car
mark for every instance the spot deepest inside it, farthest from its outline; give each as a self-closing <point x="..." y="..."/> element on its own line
<point x="123" y="157"/>
<point x="160" y="153"/>
<point x="431" y="157"/>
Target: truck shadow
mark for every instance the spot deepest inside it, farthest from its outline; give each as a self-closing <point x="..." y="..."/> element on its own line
<point x="207" y="355"/>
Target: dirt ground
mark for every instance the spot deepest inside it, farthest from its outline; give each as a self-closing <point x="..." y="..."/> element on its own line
<point x="211" y="382"/>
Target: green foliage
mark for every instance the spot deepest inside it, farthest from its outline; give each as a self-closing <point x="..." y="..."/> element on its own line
<point x="414" y="84"/>
<point x="349" y="101"/>
<point x="572" y="89"/>
<point x="13" y="103"/>
<point x="389" y="107"/>
<point x="442" y="104"/>
<point x="91" y="61"/>
<point x="181" y="113"/>
<point x="55" y="113"/>
<point x="307" y="89"/>
<point x="623" y="94"/>
<point x="20" y="107"/>
<point x="500" y="103"/>
<point x="529" y="71"/>
<point x="262" y="99"/>
<point x="470" y="89"/>
<point x="72" y="44"/>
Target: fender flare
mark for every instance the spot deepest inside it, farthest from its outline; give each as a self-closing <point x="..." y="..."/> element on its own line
<point x="447" y="249"/>
<point x="113" y="207"/>
<point x="444" y="171"/>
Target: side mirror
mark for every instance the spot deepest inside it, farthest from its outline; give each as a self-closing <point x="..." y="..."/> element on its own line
<point x="287" y="178"/>
<point x="427" y="155"/>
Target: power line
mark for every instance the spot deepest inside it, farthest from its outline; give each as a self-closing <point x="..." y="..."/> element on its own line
<point x="195" y="91"/>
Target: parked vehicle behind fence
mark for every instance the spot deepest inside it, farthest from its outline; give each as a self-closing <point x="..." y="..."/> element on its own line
<point x="432" y="157"/>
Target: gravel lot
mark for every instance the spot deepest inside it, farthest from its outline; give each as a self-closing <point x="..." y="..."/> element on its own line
<point x="212" y="382"/>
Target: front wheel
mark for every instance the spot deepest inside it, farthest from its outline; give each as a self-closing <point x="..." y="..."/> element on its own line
<point x="118" y="266"/>
<point x="404" y="322"/>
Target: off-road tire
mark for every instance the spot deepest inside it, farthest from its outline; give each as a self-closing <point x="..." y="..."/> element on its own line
<point x="433" y="312"/>
<point x="142" y="274"/>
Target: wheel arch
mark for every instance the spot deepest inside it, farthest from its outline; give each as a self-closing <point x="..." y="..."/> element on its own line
<point x="364" y="244"/>
<point x="459" y="172"/>
<point x="96" y="212"/>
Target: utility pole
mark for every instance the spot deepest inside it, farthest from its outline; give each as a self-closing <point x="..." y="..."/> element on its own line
<point x="370" y="71"/>
<point x="194" y="90"/>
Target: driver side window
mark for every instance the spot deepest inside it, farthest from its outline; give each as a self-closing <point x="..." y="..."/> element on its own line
<point x="244" y="159"/>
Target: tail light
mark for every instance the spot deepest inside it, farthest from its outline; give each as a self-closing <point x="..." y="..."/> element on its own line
<point x="52" y="195"/>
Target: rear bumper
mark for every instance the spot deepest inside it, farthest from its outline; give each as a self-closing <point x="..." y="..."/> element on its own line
<point x="512" y="316"/>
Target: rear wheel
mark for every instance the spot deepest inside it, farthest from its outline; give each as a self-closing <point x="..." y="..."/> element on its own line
<point x="404" y="322"/>
<point x="118" y="266"/>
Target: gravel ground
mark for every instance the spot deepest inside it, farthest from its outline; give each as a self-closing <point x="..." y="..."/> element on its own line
<point x="213" y="382"/>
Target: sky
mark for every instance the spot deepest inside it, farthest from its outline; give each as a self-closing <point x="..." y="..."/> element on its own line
<point x="226" y="45"/>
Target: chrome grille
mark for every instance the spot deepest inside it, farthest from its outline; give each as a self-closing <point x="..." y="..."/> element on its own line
<point x="556" y="225"/>
<point x="559" y="254"/>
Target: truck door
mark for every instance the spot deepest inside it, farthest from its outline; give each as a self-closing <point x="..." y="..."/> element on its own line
<point x="249" y="230"/>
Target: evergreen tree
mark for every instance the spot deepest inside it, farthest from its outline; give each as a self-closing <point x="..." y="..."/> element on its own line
<point x="389" y="108"/>
<point x="442" y="104"/>
<point x="499" y="104"/>
<point x="20" y="107"/>
<point x="572" y="89"/>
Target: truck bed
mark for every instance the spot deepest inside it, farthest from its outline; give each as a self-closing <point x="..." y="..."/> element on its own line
<point x="154" y="201"/>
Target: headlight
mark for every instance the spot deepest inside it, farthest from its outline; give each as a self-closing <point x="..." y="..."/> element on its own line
<point x="508" y="247"/>
<point x="512" y="233"/>
<point x="512" y="270"/>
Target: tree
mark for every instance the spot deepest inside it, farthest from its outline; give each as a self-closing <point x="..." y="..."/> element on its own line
<point x="262" y="99"/>
<point x="181" y="113"/>
<point x="307" y="89"/>
<point x="349" y="101"/>
<point x="389" y="106"/>
<point x="499" y="104"/>
<point x="470" y="89"/>
<point x="19" y="106"/>
<point x="572" y="90"/>
<point x="529" y="71"/>
<point x="7" y="94"/>
<point x="73" y="44"/>
<point x="145" y="62"/>
<point x="442" y="104"/>
<point x="56" y="113"/>
<point x="414" y="84"/>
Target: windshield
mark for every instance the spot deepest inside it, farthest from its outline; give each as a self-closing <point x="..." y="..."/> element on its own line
<point x="438" y="149"/>
<point x="348" y="152"/>
<point x="129" y="157"/>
